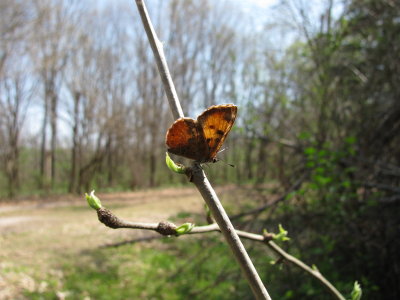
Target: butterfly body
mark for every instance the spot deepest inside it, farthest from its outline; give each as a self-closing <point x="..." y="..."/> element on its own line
<point x="201" y="139"/>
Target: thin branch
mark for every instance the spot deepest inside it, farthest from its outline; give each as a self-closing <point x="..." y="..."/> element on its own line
<point x="158" y="52"/>
<point x="261" y="208"/>
<point x="198" y="177"/>
<point x="167" y="229"/>
<point x="109" y="219"/>
<point x="315" y="273"/>
<point x="210" y="197"/>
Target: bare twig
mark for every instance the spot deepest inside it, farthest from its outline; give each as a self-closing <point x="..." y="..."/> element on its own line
<point x="198" y="177"/>
<point x="315" y="273"/>
<point x="229" y="232"/>
<point x="167" y="228"/>
<point x="158" y="52"/>
<point x="261" y="208"/>
<point x="109" y="219"/>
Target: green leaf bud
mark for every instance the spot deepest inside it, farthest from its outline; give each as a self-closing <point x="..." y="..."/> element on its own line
<point x="93" y="200"/>
<point x="184" y="228"/>
<point x="174" y="167"/>
<point x="356" y="293"/>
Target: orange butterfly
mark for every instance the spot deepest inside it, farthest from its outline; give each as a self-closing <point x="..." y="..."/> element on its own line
<point x="201" y="139"/>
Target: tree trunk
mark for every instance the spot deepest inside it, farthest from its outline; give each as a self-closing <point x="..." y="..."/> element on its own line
<point x="110" y="162"/>
<point x="12" y="167"/>
<point x="72" y="188"/>
<point x="53" y="124"/>
<point x="248" y="153"/>
<point x="43" y="174"/>
<point x="262" y="161"/>
<point x="152" y="169"/>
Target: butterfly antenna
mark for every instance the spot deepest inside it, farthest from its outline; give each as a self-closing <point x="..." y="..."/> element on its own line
<point x="219" y="159"/>
<point x="231" y="165"/>
<point x="223" y="149"/>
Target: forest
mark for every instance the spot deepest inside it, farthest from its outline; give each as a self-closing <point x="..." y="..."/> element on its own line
<point x="317" y="85"/>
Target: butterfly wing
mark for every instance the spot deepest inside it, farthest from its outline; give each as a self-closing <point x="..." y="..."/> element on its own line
<point x="216" y="122"/>
<point x="185" y="138"/>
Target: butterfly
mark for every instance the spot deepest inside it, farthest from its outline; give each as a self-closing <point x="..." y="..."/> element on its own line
<point x="201" y="139"/>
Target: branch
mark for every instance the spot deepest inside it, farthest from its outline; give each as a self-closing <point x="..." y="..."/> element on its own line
<point x="313" y="272"/>
<point x="109" y="219"/>
<point x="162" y="65"/>
<point x="261" y="208"/>
<point x="166" y="228"/>
<point x="197" y="175"/>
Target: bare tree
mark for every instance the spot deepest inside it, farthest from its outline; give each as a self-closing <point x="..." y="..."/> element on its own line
<point x="52" y="30"/>
<point x="15" y="88"/>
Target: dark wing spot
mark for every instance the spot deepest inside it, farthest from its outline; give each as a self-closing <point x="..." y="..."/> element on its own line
<point x="211" y="127"/>
<point x="208" y="140"/>
<point x="228" y="116"/>
<point x="217" y="140"/>
<point x="220" y="132"/>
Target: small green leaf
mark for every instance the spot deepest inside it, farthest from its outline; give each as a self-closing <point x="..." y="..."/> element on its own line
<point x="282" y="235"/>
<point x="352" y="151"/>
<point x="350" y="140"/>
<point x="346" y="184"/>
<point x="304" y="135"/>
<point x="356" y="293"/>
<point x="310" y="164"/>
<point x="93" y="200"/>
<point x="290" y="195"/>
<point x="322" y="180"/>
<point x="322" y="153"/>
<point x="184" y="228"/>
<point x="174" y="167"/>
<point x="310" y="150"/>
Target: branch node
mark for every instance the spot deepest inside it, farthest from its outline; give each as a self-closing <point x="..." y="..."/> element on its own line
<point x="108" y="218"/>
<point x="268" y="236"/>
<point x="166" y="228"/>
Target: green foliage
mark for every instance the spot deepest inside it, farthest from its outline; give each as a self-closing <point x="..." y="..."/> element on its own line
<point x="327" y="172"/>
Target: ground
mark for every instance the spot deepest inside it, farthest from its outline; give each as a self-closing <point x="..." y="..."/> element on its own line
<point x="36" y="234"/>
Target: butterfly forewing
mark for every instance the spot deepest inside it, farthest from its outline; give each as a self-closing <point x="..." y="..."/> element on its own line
<point x="186" y="139"/>
<point x="216" y="123"/>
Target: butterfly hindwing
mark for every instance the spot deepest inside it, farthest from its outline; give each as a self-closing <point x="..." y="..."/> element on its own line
<point x="185" y="138"/>
<point x="216" y="122"/>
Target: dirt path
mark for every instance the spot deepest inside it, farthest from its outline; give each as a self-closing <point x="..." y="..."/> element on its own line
<point x="12" y="215"/>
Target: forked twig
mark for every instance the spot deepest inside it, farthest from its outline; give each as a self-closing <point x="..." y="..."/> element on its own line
<point x="166" y="228"/>
<point x="198" y="177"/>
